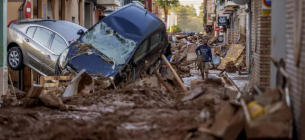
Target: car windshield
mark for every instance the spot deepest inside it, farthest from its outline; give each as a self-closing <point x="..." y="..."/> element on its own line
<point x="110" y="43"/>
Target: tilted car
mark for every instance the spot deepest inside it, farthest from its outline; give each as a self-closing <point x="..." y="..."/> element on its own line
<point x="121" y="46"/>
<point x="37" y="43"/>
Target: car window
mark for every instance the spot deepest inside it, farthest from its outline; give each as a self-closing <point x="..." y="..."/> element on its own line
<point x="155" y="40"/>
<point x="30" y="31"/>
<point x="141" y="51"/>
<point x="58" y="45"/>
<point x="42" y="36"/>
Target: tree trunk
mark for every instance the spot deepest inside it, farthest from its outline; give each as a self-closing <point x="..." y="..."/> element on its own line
<point x="165" y="16"/>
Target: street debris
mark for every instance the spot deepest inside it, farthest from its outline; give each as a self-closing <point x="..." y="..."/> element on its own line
<point x="159" y="105"/>
<point x="233" y="54"/>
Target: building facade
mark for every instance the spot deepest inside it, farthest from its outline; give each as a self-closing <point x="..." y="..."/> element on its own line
<point x="83" y="12"/>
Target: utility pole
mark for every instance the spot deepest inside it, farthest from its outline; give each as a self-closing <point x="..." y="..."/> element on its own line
<point x="3" y="42"/>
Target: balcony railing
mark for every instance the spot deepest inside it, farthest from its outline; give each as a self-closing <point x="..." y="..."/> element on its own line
<point x="109" y="2"/>
<point x="230" y="3"/>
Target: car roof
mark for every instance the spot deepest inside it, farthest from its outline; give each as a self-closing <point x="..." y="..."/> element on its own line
<point x="134" y="22"/>
<point x="65" y="28"/>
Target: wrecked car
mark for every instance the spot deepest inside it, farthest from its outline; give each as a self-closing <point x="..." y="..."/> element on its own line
<point x="37" y="43"/>
<point x="121" y="47"/>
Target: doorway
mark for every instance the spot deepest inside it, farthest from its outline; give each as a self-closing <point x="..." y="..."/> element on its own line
<point x="88" y="15"/>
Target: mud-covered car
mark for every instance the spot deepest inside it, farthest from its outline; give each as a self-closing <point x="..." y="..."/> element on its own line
<point x="121" y="46"/>
<point x="37" y="43"/>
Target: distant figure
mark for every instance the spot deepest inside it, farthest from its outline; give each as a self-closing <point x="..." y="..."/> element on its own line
<point x="206" y="55"/>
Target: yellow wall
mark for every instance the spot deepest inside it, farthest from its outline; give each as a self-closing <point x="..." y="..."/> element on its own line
<point x="70" y="8"/>
<point x="55" y="9"/>
<point x="72" y="11"/>
<point x="12" y="10"/>
<point x="41" y="3"/>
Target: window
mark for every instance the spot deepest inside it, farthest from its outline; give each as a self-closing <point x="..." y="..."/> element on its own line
<point x="58" y="45"/>
<point x="73" y="19"/>
<point x="42" y="36"/>
<point x="31" y="31"/>
<point x="141" y="51"/>
<point x="155" y="40"/>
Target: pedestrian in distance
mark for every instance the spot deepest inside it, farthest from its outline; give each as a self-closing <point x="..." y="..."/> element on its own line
<point x="206" y="57"/>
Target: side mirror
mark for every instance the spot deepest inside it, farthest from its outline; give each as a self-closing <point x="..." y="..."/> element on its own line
<point x="134" y="63"/>
<point x="80" y="32"/>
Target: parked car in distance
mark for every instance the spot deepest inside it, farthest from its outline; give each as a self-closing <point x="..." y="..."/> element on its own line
<point x="37" y="43"/>
<point x="121" y="46"/>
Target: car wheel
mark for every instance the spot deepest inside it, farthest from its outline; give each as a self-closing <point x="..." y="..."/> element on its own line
<point x="15" y="58"/>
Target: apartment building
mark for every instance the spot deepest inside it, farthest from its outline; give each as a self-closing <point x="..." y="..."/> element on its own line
<point x="83" y="12"/>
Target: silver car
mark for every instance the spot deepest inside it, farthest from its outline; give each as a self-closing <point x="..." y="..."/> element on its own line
<point x="37" y="43"/>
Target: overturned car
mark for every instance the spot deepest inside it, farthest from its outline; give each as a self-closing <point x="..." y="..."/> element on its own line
<point x="120" y="47"/>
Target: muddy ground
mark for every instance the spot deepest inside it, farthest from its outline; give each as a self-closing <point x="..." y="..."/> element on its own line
<point x="134" y="113"/>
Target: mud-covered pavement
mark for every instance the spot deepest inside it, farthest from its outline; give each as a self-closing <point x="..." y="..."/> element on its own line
<point x="130" y="113"/>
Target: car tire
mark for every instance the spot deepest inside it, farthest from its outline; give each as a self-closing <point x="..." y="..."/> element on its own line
<point x="15" y="58"/>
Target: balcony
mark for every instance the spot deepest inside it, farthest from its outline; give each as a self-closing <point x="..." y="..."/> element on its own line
<point x="109" y="2"/>
<point x="230" y="3"/>
<point x="241" y="2"/>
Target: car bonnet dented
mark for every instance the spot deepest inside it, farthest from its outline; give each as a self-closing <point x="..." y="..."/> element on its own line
<point x="109" y="44"/>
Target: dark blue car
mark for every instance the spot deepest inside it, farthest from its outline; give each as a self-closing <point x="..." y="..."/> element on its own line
<point x="121" y="46"/>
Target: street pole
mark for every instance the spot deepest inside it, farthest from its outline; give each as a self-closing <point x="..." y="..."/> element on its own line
<point x="3" y="42"/>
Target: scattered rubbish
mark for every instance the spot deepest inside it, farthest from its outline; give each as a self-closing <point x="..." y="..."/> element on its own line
<point x="32" y="96"/>
<point x="268" y="116"/>
<point x="234" y="52"/>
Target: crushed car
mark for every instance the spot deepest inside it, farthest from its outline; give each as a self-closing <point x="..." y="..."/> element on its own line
<point x="121" y="46"/>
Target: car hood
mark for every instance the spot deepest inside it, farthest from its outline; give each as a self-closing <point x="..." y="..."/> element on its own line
<point x="93" y="63"/>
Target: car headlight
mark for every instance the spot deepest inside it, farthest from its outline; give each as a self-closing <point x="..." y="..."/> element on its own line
<point x="62" y="58"/>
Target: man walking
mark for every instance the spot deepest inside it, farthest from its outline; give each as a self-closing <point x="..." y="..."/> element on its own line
<point x="206" y="55"/>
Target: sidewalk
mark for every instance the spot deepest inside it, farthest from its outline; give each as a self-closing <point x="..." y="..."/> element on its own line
<point x="239" y="81"/>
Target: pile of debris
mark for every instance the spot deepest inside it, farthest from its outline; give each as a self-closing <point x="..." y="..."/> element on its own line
<point x="227" y="116"/>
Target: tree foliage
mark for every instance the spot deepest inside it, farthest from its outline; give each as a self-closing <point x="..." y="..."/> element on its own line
<point x="175" y="29"/>
<point x="166" y="5"/>
<point x="188" y="19"/>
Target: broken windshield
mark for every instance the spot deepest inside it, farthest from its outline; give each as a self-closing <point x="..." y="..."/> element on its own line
<point x="110" y="43"/>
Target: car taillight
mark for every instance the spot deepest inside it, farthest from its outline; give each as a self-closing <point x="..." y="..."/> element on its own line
<point x="8" y="25"/>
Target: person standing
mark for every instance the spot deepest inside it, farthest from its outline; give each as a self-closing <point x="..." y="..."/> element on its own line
<point x="206" y="57"/>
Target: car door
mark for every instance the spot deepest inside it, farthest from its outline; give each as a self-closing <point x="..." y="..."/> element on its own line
<point x="139" y="58"/>
<point x="157" y="42"/>
<point x="36" y="42"/>
<point x="56" y="47"/>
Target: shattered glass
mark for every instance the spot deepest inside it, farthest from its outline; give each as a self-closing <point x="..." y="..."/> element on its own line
<point x="110" y="43"/>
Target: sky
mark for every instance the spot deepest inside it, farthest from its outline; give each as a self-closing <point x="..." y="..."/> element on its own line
<point x="196" y="3"/>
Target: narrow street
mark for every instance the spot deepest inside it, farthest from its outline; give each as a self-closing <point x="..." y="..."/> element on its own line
<point x="152" y="70"/>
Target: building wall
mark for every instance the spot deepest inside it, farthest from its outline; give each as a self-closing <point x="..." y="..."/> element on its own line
<point x="41" y="4"/>
<point x="71" y="10"/>
<point x="278" y="43"/>
<point x="12" y="10"/>
<point x="296" y="74"/>
<point x="261" y="42"/>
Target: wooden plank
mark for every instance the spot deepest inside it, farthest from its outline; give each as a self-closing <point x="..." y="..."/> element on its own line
<point x="32" y="77"/>
<point x="233" y="53"/>
<point x="45" y="85"/>
<point x="64" y="84"/>
<point x="65" y="78"/>
<point x="174" y="72"/>
<point x="48" y="91"/>
<point x="46" y="78"/>
<point x="168" y="87"/>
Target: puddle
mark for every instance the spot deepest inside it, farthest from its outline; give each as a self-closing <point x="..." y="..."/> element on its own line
<point x="136" y="126"/>
<point x="75" y="115"/>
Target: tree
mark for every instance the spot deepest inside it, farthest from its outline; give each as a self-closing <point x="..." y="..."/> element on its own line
<point x="165" y="5"/>
<point x="183" y="17"/>
<point x="191" y="11"/>
<point x="175" y="29"/>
